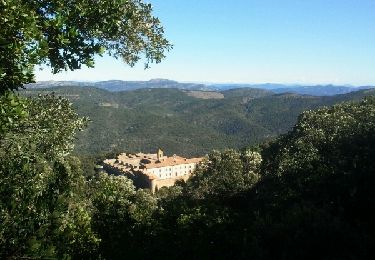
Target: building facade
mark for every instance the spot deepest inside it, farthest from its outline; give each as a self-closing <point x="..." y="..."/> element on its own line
<point x="152" y="171"/>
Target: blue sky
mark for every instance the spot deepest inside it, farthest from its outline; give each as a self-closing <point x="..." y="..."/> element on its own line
<point x="255" y="41"/>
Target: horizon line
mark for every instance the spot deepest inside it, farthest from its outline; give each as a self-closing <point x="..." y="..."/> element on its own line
<point x="212" y="83"/>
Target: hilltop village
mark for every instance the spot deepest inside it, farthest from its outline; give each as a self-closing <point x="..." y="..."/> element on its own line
<point x="152" y="171"/>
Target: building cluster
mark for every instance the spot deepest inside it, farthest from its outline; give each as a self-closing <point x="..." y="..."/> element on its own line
<point x="152" y="171"/>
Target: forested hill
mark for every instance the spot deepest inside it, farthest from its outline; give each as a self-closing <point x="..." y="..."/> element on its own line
<point x="185" y="122"/>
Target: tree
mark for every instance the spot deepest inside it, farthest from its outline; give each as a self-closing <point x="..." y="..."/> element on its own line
<point x="122" y="217"/>
<point x="67" y="34"/>
<point x="43" y="211"/>
<point x="317" y="194"/>
<point x="225" y="174"/>
<point x="335" y="141"/>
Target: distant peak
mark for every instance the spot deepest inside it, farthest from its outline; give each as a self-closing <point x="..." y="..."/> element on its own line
<point x="162" y="81"/>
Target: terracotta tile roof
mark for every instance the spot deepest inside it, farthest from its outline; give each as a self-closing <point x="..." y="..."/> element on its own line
<point x="172" y="161"/>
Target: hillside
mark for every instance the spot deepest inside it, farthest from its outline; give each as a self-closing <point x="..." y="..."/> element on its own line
<point x="182" y="122"/>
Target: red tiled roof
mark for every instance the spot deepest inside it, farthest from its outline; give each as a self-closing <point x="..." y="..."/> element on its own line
<point x="172" y="161"/>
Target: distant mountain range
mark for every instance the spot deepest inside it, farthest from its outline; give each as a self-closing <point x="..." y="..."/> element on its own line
<point x="120" y="85"/>
<point x="186" y="122"/>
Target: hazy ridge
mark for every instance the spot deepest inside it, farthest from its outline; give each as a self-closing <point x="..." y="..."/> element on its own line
<point x="120" y="85"/>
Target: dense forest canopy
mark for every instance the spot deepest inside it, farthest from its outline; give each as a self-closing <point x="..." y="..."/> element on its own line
<point x="144" y="119"/>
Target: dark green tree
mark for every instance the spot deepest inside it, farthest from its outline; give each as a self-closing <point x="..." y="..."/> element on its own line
<point x="224" y="174"/>
<point x="43" y="208"/>
<point x="316" y="193"/>
<point x="122" y="217"/>
<point x="68" y="34"/>
<point x="43" y="212"/>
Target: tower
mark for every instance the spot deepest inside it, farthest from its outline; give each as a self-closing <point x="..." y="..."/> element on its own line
<point x="160" y="154"/>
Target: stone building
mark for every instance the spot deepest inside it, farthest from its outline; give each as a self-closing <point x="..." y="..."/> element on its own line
<point x="152" y="171"/>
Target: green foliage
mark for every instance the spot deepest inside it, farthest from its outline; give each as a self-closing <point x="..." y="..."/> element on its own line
<point x="67" y="35"/>
<point x="12" y="112"/>
<point x="122" y="216"/>
<point x="43" y="212"/>
<point x="317" y="191"/>
<point x="225" y="174"/>
<point x="144" y="119"/>
<point x="328" y="140"/>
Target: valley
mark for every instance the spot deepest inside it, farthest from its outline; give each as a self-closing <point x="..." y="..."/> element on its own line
<point x="186" y="122"/>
